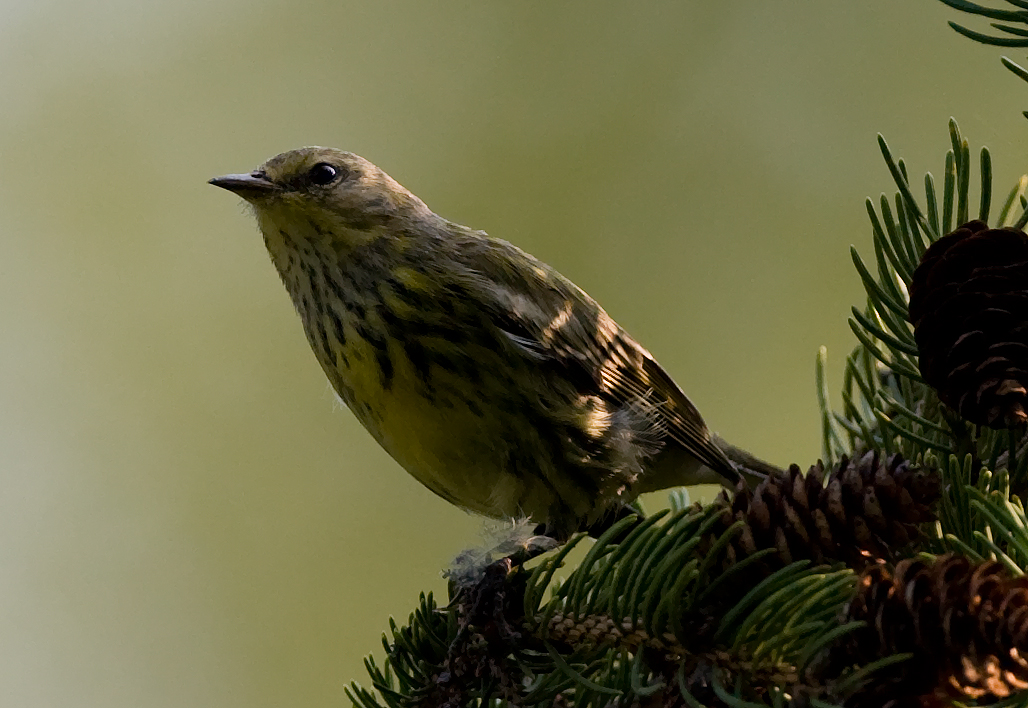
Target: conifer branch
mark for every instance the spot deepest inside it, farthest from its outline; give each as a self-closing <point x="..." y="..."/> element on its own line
<point x="891" y="574"/>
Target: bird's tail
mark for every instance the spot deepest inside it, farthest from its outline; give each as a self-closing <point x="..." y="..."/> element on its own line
<point x="751" y="467"/>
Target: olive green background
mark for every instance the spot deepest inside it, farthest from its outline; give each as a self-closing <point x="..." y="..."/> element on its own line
<point x="186" y="516"/>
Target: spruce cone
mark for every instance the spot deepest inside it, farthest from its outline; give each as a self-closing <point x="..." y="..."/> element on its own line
<point x="965" y="624"/>
<point x="866" y="509"/>
<point x="969" y="308"/>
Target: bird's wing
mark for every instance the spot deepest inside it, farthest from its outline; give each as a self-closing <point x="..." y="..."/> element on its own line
<point x="560" y="327"/>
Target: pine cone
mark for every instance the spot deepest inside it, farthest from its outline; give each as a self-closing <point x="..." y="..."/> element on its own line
<point x="969" y="308"/>
<point x="864" y="510"/>
<point x="966" y="625"/>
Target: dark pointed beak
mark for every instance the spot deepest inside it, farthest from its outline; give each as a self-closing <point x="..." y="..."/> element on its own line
<point x="253" y="185"/>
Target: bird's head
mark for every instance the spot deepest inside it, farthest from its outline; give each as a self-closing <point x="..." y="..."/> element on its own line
<point x="319" y="193"/>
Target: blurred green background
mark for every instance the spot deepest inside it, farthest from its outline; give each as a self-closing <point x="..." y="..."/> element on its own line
<point x="186" y="516"/>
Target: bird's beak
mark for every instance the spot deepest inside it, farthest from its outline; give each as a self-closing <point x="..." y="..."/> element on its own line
<point x="251" y="186"/>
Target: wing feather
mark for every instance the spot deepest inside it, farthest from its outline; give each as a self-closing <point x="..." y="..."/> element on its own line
<point x="561" y="327"/>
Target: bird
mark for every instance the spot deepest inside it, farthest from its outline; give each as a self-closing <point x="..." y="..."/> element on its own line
<point x="492" y="379"/>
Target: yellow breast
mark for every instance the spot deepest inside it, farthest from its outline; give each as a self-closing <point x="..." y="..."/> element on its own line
<point x="452" y="444"/>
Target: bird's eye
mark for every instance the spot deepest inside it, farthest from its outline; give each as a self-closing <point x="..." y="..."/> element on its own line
<point x="323" y="173"/>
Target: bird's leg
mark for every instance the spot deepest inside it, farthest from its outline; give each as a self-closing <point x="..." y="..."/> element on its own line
<point x="613" y="516"/>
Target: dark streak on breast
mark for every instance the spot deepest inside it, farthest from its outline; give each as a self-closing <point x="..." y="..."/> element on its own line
<point x="381" y="347"/>
<point x="337" y="326"/>
<point x="418" y="358"/>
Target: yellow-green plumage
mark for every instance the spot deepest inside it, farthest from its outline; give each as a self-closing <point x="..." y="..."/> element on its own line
<point x="491" y="378"/>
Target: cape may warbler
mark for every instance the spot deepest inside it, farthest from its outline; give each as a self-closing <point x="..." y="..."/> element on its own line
<point x="492" y="379"/>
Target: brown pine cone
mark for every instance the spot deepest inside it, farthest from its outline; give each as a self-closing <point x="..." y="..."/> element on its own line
<point x="866" y="509"/>
<point x="966" y="625"/>
<point x="969" y="308"/>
